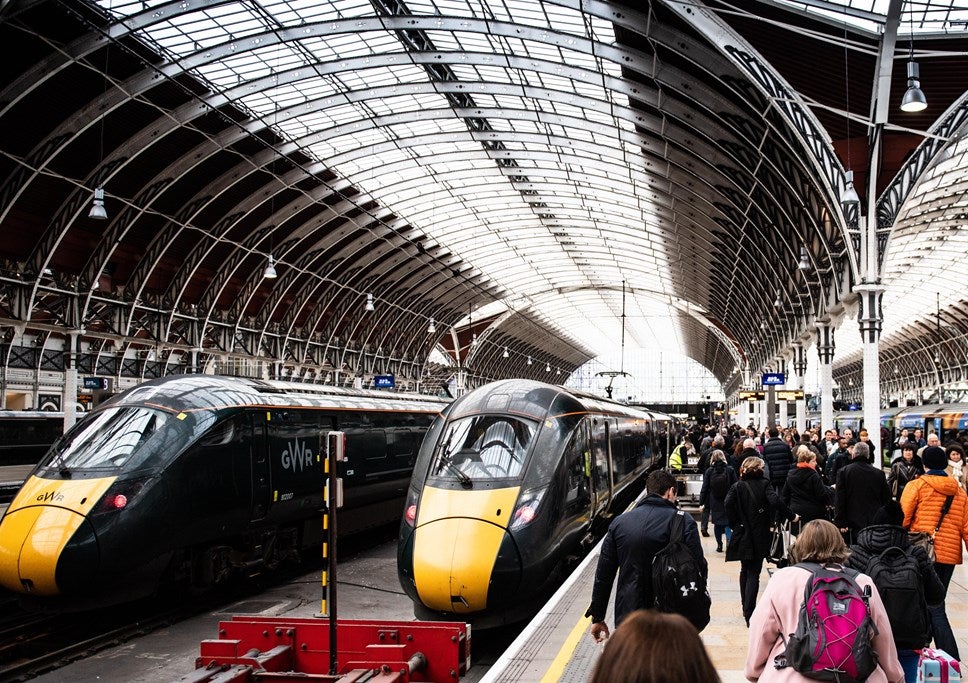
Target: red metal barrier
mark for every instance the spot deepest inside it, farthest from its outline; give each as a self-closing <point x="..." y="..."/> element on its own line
<point x="259" y="649"/>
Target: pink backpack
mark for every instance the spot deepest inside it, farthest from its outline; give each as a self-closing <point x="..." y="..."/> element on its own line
<point x="833" y="637"/>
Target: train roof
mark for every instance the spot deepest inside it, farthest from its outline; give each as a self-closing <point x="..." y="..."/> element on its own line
<point x="216" y="392"/>
<point x="528" y="397"/>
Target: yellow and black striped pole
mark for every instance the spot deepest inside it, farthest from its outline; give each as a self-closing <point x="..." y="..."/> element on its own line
<point x="332" y="500"/>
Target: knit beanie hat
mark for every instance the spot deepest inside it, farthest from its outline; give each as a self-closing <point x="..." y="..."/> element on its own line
<point x="889" y="513"/>
<point x="934" y="458"/>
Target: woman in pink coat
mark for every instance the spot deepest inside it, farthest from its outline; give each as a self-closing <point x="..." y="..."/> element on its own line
<point x="778" y="609"/>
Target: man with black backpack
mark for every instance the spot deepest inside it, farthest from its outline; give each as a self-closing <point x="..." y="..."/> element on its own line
<point x="905" y="579"/>
<point x="633" y="540"/>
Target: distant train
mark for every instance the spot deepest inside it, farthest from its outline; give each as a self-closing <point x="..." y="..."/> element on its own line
<point x="946" y="420"/>
<point x="514" y="483"/>
<point x="190" y="479"/>
<point x="25" y="435"/>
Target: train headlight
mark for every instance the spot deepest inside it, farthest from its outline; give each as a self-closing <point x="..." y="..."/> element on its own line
<point x="119" y="496"/>
<point x="527" y="509"/>
<point x="410" y="511"/>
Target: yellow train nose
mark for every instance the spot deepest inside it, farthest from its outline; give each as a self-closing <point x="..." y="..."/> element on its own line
<point x="462" y="548"/>
<point x="37" y="527"/>
<point x="31" y="542"/>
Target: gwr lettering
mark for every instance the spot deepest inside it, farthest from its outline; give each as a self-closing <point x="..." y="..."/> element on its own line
<point x="297" y="457"/>
<point x="50" y="497"/>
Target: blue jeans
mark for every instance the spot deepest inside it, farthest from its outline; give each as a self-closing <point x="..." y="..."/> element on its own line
<point x="909" y="662"/>
<point x="719" y="530"/>
<point x="944" y="637"/>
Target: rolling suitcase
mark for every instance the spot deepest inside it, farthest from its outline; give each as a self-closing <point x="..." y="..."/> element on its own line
<point x="937" y="666"/>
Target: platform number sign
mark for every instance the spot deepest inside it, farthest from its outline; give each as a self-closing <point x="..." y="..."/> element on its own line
<point x="773" y="379"/>
<point x="384" y="381"/>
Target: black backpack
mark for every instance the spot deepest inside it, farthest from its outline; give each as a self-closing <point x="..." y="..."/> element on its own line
<point x="719" y="483"/>
<point x="897" y="575"/>
<point x="678" y="579"/>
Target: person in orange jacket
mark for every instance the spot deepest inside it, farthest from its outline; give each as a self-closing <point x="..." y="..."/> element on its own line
<point x="923" y="501"/>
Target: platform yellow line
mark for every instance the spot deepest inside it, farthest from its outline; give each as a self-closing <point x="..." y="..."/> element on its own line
<point x="557" y="667"/>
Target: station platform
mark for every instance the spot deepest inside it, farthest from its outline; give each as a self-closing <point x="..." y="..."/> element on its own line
<point x="556" y="645"/>
<point x="11" y="479"/>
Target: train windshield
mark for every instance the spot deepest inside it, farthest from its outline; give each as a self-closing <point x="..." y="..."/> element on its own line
<point x="124" y="437"/>
<point x="483" y="447"/>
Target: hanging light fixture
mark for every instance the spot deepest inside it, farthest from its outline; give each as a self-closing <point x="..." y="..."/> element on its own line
<point x="529" y="360"/>
<point x="804" y="264"/>
<point x="557" y="371"/>
<point x="369" y="302"/>
<point x="474" y="339"/>
<point x="849" y="195"/>
<point x="270" y="272"/>
<point x="431" y="328"/>
<point x="913" y="100"/>
<point x="98" y="212"/>
<point x="547" y="367"/>
<point x="778" y="302"/>
<point x="505" y="354"/>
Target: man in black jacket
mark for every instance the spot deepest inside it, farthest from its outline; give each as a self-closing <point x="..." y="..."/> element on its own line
<point x="633" y="539"/>
<point x="778" y="458"/>
<point x="861" y="491"/>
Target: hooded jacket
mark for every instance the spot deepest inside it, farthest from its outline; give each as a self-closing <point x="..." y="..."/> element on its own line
<point x="875" y="539"/>
<point x="717" y="506"/>
<point x="633" y="539"/>
<point x="922" y="501"/>
<point x="805" y="493"/>
<point x="778" y="456"/>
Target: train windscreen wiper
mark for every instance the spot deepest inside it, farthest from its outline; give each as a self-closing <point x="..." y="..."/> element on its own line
<point x="445" y="461"/>
<point x="61" y="465"/>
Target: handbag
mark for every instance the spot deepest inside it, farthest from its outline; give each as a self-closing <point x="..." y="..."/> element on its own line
<point x="780" y="543"/>
<point x="733" y="550"/>
<point x="925" y="540"/>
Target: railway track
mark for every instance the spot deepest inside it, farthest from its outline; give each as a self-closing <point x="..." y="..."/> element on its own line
<point x="53" y="641"/>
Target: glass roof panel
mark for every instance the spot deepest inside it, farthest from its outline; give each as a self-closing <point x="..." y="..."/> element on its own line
<point x="921" y="16"/>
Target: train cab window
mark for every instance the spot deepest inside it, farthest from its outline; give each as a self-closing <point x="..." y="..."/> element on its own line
<point x="483" y="447"/>
<point x="122" y="438"/>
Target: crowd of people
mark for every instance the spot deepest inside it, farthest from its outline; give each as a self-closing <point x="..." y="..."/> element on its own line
<point x="895" y="533"/>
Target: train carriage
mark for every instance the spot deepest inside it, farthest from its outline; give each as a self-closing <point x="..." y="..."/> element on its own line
<point x="193" y="479"/>
<point x="514" y="482"/>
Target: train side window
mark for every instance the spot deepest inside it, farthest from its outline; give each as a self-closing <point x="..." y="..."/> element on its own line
<point x="577" y="458"/>
<point x="600" y="475"/>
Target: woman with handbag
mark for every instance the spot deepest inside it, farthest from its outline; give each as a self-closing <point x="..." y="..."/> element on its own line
<point x="751" y="507"/>
<point x="935" y="504"/>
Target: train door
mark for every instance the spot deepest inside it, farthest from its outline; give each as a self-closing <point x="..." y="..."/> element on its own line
<point x="261" y="484"/>
<point x="578" y="465"/>
<point x="601" y="471"/>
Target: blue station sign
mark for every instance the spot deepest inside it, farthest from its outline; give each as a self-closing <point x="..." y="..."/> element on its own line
<point x="774" y="379"/>
<point x="384" y="381"/>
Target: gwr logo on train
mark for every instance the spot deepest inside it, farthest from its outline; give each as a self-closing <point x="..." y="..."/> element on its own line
<point x="297" y="456"/>
<point x="50" y="497"/>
